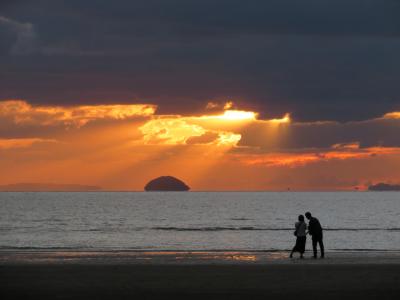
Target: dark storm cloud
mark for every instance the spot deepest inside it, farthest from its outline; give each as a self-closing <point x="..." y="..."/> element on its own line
<point x="24" y="36"/>
<point x="316" y="59"/>
<point x="381" y="132"/>
<point x="210" y="17"/>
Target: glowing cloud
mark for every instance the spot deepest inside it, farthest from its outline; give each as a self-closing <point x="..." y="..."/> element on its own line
<point x="169" y="131"/>
<point x="297" y="159"/>
<point x="228" y="105"/>
<point x="185" y="130"/>
<point x="392" y="115"/>
<point x="234" y="115"/>
<point x="218" y="105"/>
<point x="21" y="112"/>
<point x="220" y="130"/>
<point x="228" y="139"/>
<point x="222" y="149"/>
<point x="181" y="132"/>
<point x="285" y="119"/>
<point x="221" y="138"/>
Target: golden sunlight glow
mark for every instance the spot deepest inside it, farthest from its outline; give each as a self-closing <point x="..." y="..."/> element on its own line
<point x="195" y="130"/>
<point x="228" y="139"/>
<point x="169" y="131"/>
<point x="179" y="131"/>
<point x="285" y="119"/>
<point x="126" y="145"/>
<point x="21" y="112"/>
<point x="228" y="105"/>
<point x="350" y="151"/>
<point x="237" y="115"/>
<point x="214" y="105"/>
<point x="392" y="115"/>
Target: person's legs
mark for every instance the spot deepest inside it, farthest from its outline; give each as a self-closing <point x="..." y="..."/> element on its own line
<point x="321" y="246"/>
<point x="303" y="246"/>
<point x="314" y="246"/>
<point x="293" y="250"/>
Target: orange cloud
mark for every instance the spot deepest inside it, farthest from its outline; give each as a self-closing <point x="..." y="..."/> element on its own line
<point x="6" y="144"/>
<point x="170" y="131"/>
<point x="218" y="105"/>
<point x="235" y="115"/>
<point x="21" y="112"/>
<point x="392" y="115"/>
<point x="228" y="105"/>
<point x="228" y="139"/>
<point x="181" y="131"/>
<point x="220" y="150"/>
<point x="337" y="152"/>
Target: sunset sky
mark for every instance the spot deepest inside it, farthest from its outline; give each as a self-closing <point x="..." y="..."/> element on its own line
<point x="225" y="95"/>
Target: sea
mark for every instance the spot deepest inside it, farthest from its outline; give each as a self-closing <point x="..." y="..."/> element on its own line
<point x="196" y="221"/>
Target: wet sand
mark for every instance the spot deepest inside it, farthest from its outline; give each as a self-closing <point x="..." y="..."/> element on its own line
<point x="196" y="275"/>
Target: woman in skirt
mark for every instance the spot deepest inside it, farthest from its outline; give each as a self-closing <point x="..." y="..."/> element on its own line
<point x="301" y="237"/>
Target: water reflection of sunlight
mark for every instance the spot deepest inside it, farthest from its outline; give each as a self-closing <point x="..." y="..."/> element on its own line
<point x="277" y="255"/>
<point x="133" y="257"/>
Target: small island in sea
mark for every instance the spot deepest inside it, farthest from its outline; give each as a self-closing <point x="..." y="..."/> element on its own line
<point x="384" y="187"/>
<point x="166" y="183"/>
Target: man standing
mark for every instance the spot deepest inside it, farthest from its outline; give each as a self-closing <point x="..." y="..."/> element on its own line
<point x="315" y="230"/>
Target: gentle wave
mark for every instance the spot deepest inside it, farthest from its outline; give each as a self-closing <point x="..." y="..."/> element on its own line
<point x="77" y="248"/>
<point x="172" y="228"/>
<point x="244" y="228"/>
<point x="149" y="249"/>
<point x="251" y="228"/>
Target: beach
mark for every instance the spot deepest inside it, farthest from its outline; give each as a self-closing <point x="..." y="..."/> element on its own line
<point x="67" y="274"/>
<point x="196" y="246"/>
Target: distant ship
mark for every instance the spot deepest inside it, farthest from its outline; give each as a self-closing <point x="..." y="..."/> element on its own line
<point x="384" y="187"/>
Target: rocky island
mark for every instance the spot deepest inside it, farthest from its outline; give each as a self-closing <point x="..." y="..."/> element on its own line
<point x="166" y="183"/>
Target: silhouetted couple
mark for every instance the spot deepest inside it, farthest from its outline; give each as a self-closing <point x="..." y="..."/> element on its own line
<point x="314" y="229"/>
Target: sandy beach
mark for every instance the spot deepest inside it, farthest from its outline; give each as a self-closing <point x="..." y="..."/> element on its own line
<point x="197" y="275"/>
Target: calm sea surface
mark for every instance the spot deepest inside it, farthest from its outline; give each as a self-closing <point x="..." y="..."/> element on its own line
<point x="196" y="221"/>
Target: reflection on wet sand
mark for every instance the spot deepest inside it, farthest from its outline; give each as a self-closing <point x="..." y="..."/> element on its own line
<point x="158" y="257"/>
<point x="9" y="257"/>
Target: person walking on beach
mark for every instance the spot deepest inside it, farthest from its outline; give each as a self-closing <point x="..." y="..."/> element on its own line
<point x="315" y="230"/>
<point x="301" y="237"/>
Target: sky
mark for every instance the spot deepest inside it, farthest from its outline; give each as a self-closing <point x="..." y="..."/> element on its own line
<point x="225" y="95"/>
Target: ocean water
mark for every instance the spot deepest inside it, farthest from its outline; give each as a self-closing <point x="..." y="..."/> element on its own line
<point x="196" y="220"/>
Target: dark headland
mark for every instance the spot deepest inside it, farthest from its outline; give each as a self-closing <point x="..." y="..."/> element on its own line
<point x="166" y="183"/>
<point x="384" y="187"/>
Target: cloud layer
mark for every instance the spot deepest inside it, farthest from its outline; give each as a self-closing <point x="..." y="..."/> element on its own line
<point x="319" y="60"/>
<point x="22" y="113"/>
<point x="246" y="94"/>
<point x="112" y="144"/>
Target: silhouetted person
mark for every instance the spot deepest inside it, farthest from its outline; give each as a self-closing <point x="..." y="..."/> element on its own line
<point x="301" y="237"/>
<point x="315" y="230"/>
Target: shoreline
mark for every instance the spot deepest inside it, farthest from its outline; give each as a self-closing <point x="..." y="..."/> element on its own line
<point x="194" y="257"/>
